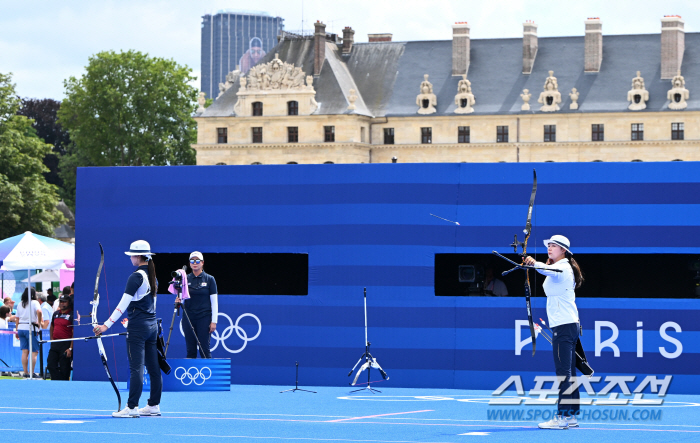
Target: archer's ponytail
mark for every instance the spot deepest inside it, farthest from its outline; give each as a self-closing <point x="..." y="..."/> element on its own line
<point x="578" y="274"/>
<point x="152" y="276"/>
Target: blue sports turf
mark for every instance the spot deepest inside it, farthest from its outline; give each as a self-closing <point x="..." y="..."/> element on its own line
<point x="81" y="411"/>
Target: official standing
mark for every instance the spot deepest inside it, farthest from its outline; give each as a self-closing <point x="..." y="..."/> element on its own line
<point x="202" y="308"/>
<point x="563" y="319"/>
<point x="139" y="303"/>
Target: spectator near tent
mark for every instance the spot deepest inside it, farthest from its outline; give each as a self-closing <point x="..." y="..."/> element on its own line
<point x="29" y="314"/>
<point x="5" y="312"/>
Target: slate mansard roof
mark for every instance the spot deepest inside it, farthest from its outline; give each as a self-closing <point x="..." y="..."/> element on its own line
<point x="387" y="75"/>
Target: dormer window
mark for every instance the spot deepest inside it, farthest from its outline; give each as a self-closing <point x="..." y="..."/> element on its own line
<point x="426" y="103"/>
<point x="257" y="109"/>
<point x="637" y="98"/>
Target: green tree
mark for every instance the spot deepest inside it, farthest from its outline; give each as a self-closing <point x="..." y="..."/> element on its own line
<point x="27" y="201"/>
<point x="128" y="109"/>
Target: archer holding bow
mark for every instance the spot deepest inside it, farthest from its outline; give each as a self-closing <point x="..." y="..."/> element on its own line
<point x="139" y="303"/>
<point x="563" y="277"/>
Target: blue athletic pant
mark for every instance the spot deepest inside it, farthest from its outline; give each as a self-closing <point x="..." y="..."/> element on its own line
<point x="142" y="351"/>
<point x="564" y="346"/>
<point x="201" y="327"/>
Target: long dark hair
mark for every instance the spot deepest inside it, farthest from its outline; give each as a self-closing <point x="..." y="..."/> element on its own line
<point x="578" y="274"/>
<point x="25" y="296"/>
<point x="151" y="274"/>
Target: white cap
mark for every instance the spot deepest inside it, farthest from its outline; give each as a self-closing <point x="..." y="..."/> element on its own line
<point x="559" y="240"/>
<point x="140" y="247"/>
<point x="197" y="254"/>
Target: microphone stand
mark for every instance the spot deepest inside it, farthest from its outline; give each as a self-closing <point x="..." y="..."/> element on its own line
<point x="370" y="362"/>
<point x="296" y="385"/>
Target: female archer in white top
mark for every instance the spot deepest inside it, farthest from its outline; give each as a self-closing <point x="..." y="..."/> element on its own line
<point x="563" y="319"/>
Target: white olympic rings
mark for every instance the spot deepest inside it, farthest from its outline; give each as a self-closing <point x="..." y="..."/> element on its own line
<point x="240" y="332"/>
<point x="187" y="377"/>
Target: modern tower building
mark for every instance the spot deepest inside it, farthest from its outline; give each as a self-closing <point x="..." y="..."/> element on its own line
<point x="234" y="38"/>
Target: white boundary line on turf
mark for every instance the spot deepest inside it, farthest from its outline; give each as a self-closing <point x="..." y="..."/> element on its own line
<point x="75" y="432"/>
<point x="183" y="412"/>
<point x="304" y="438"/>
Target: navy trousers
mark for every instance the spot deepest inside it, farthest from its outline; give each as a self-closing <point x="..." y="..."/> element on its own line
<point x="564" y="346"/>
<point x="142" y="351"/>
<point x="200" y="323"/>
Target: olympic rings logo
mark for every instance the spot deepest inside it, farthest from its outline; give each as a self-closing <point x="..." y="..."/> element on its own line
<point x="240" y="332"/>
<point x="187" y="376"/>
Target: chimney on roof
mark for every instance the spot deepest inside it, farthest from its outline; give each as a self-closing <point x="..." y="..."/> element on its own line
<point x="593" y="45"/>
<point x="377" y="38"/>
<point x="672" y="45"/>
<point x="319" y="46"/>
<point x="529" y="45"/>
<point x="460" y="48"/>
<point x="348" y="39"/>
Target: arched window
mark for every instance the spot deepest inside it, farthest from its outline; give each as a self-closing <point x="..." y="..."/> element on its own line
<point x="256" y="163"/>
<point x="677" y="160"/>
<point x="257" y="109"/>
<point x="328" y="163"/>
<point x="637" y="160"/>
<point x="221" y="164"/>
<point x="293" y="107"/>
<point x="549" y="161"/>
<point x="292" y="163"/>
<point x="594" y="161"/>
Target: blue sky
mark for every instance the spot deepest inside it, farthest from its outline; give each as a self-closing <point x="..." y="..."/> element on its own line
<point x="44" y="42"/>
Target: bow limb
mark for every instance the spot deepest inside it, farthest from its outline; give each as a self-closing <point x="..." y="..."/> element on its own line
<point x="95" y="303"/>
<point x="528" y="291"/>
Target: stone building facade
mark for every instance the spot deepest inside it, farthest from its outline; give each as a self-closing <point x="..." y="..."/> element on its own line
<point x="565" y="99"/>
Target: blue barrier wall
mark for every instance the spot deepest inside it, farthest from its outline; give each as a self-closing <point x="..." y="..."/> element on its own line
<point x="369" y="225"/>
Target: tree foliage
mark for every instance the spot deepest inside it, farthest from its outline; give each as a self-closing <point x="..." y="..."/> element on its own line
<point x="130" y="109"/>
<point x="27" y="201"/>
<point x="44" y="112"/>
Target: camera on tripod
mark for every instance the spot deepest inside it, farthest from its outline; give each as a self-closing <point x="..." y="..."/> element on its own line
<point x="177" y="278"/>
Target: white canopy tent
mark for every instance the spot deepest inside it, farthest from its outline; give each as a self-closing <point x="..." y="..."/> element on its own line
<point x="32" y="251"/>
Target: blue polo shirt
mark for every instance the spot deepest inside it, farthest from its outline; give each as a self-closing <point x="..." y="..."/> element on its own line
<point x="200" y="288"/>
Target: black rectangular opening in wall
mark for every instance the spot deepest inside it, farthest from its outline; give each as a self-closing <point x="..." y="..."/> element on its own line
<point x="606" y="275"/>
<point x="243" y="273"/>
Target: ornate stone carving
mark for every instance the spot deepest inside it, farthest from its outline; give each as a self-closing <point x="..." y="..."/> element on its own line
<point x="231" y="78"/>
<point x="202" y="101"/>
<point x="464" y="98"/>
<point x="573" y="95"/>
<point x="351" y="100"/>
<point x="550" y="97"/>
<point x="275" y="84"/>
<point x="426" y="100"/>
<point x="638" y="95"/>
<point x="275" y="75"/>
<point x="678" y="94"/>
<point x="526" y="100"/>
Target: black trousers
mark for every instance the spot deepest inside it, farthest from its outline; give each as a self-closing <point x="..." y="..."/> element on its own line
<point x="142" y="351"/>
<point x="564" y="346"/>
<point x="200" y="323"/>
<point x="58" y="363"/>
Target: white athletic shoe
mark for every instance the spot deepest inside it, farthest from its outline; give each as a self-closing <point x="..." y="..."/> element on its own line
<point x="127" y="412"/>
<point x="572" y="422"/>
<point x="556" y="423"/>
<point x="148" y="411"/>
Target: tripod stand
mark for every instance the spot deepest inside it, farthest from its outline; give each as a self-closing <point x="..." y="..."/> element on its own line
<point x="370" y="362"/>
<point x="296" y="385"/>
<point x="177" y="283"/>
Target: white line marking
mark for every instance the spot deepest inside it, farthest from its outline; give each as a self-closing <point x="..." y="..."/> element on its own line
<point x="75" y="432"/>
<point x="304" y="438"/>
